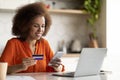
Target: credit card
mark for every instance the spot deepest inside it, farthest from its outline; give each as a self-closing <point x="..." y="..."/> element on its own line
<point x="38" y="57"/>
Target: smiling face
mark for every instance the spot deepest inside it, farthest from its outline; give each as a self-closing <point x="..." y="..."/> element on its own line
<point x="37" y="28"/>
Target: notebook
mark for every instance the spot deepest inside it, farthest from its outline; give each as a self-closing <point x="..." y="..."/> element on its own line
<point x="90" y="62"/>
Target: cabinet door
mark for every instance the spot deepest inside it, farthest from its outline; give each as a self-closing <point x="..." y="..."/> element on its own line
<point x="65" y="4"/>
<point x="12" y="4"/>
<point x="70" y="63"/>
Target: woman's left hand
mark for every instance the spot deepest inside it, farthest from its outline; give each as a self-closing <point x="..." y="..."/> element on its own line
<point x="56" y="64"/>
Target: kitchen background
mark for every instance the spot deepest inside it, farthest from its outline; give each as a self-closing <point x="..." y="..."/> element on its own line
<point x="66" y="27"/>
<point x="112" y="61"/>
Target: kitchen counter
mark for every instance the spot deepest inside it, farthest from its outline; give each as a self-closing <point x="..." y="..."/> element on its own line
<point x="49" y="76"/>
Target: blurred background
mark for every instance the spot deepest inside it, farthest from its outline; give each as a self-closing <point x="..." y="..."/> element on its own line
<point x="70" y="30"/>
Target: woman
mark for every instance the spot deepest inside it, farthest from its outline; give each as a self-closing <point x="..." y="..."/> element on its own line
<point x="30" y="24"/>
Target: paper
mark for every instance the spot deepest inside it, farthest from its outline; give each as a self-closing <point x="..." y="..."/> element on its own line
<point x="19" y="78"/>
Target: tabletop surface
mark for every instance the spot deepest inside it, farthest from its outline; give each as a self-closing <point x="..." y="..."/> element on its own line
<point x="49" y="76"/>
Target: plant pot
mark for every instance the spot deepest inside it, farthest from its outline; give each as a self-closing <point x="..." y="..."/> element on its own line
<point x="93" y="43"/>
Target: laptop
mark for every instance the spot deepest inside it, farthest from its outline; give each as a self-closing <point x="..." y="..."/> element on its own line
<point x="90" y="62"/>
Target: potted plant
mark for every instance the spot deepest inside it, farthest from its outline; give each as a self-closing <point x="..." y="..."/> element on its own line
<point x="93" y="9"/>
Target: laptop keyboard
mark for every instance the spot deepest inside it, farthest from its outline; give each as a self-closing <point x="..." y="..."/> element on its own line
<point x="71" y="73"/>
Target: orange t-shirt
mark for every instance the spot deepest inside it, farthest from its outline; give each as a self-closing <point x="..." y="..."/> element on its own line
<point x="17" y="49"/>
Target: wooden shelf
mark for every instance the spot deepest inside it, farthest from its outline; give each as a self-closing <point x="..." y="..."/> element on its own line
<point x="72" y="55"/>
<point x="7" y="10"/>
<point x="70" y="11"/>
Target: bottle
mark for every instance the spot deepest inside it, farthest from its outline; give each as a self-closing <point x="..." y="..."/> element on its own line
<point x="64" y="49"/>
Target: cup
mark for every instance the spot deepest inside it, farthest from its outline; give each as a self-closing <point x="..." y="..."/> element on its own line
<point x="3" y="70"/>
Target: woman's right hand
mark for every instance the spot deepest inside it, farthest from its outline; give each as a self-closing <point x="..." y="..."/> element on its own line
<point x="28" y="62"/>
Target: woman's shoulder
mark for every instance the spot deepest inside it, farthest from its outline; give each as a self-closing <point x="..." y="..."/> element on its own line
<point x="14" y="40"/>
<point x="44" y="40"/>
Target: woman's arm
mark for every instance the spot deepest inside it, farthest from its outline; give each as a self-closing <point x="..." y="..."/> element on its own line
<point x="21" y="67"/>
<point x="15" y="68"/>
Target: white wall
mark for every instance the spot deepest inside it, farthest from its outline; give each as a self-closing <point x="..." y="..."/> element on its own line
<point x="5" y="28"/>
<point x="13" y="3"/>
<point x="112" y="61"/>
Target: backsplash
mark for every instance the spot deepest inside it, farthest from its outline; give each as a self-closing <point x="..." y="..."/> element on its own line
<point x="67" y="27"/>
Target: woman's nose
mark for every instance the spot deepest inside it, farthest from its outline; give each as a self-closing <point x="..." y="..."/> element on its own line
<point x="40" y="29"/>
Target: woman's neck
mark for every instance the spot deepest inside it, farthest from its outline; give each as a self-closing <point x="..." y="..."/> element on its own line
<point x="32" y="45"/>
<point x="31" y="42"/>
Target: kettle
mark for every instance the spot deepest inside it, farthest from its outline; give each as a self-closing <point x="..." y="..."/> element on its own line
<point x="76" y="46"/>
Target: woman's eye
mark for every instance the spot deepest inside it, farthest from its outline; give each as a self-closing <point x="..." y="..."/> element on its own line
<point x="35" y="25"/>
<point x="38" y="26"/>
<point x="43" y="26"/>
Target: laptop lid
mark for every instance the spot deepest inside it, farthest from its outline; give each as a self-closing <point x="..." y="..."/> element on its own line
<point x="90" y="61"/>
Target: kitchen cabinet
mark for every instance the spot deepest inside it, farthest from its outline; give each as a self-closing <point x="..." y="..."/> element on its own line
<point x="68" y="55"/>
<point x="65" y="6"/>
<point x="70" y="61"/>
<point x="59" y="6"/>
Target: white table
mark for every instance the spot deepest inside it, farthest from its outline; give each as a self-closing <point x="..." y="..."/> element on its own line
<point x="48" y="76"/>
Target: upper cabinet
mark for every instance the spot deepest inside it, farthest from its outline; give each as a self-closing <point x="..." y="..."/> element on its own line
<point x="65" y="6"/>
<point x="54" y="6"/>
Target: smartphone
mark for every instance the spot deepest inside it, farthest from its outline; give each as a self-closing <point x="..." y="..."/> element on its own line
<point x="57" y="55"/>
<point x="38" y="57"/>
